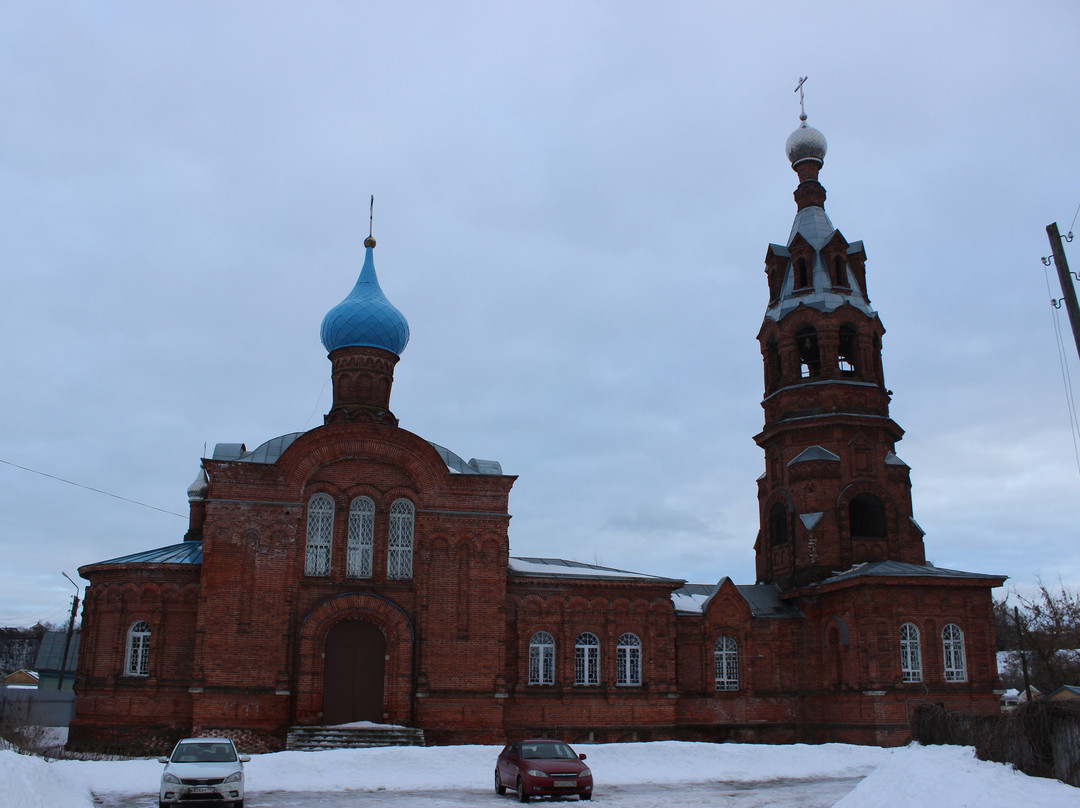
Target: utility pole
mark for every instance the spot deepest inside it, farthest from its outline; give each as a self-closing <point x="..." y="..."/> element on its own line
<point x="1068" y="291"/>
<point x="1023" y="654"/>
<point x="70" y="631"/>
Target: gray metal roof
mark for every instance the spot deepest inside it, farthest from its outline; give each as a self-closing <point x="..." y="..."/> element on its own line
<point x="899" y="569"/>
<point x="561" y="568"/>
<point x="273" y="449"/>
<point x="813" y="453"/>
<point x="51" y="651"/>
<point x="763" y="599"/>
<point x="188" y="552"/>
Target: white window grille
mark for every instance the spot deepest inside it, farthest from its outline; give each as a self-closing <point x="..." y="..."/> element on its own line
<point x="910" y="653"/>
<point x="400" y="550"/>
<point x="361" y="538"/>
<point x="628" y="660"/>
<point x="320" y="535"/>
<point x="587" y="660"/>
<point x="138" y="650"/>
<point x="542" y="659"/>
<point x="726" y="663"/>
<point x="952" y="641"/>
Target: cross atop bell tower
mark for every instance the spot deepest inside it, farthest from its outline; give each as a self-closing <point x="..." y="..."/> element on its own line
<point x="834" y="493"/>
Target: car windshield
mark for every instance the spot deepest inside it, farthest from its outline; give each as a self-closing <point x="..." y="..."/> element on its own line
<point x="208" y="752"/>
<point x="550" y="750"/>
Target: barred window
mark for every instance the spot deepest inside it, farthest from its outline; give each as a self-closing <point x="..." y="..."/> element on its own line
<point x="587" y="660"/>
<point x="726" y="663"/>
<point x="628" y="660"/>
<point x="910" y="653"/>
<point x="400" y="551"/>
<point x="138" y="650"/>
<point x="952" y="641"/>
<point x="542" y="659"/>
<point x="361" y="538"/>
<point x="320" y="534"/>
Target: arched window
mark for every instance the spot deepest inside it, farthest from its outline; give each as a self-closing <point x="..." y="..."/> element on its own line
<point x="778" y="524"/>
<point x="628" y="660"/>
<point x="726" y="663"/>
<point x="848" y="353"/>
<point x="809" y="353"/>
<point x="867" y="517"/>
<point x="400" y="550"/>
<point x="952" y="641"/>
<point x="320" y="535"/>
<point x="137" y="659"/>
<point x="361" y="538"/>
<point x="910" y="653"/>
<point x="839" y="272"/>
<point x="802" y="274"/>
<point x="542" y="659"/>
<point x="587" y="660"/>
<point x="772" y="365"/>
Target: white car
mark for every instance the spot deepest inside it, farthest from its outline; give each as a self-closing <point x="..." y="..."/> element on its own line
<point x="202" y="770"/>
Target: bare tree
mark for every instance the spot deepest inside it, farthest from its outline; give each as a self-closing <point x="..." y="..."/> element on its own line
<point x="1046" y="629"/>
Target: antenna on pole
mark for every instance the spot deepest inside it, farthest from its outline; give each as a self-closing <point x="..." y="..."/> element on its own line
<point x="799" y="90"/>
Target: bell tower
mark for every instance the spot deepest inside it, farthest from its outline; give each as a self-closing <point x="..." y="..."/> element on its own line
<point x="834" y="493"/>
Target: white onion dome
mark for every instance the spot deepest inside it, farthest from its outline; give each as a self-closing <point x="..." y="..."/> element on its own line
<point x="805" y="143"/>
<point x="365" y="318"/>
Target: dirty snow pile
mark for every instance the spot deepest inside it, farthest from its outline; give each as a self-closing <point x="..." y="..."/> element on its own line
<point x="912" y="776"/>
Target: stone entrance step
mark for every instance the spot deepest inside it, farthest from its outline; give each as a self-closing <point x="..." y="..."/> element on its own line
<point x="312" y="739"/>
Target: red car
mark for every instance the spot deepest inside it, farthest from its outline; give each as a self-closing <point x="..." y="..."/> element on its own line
<point x="540" y="767"/>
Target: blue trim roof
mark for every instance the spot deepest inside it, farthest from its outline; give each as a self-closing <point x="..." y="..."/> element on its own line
<point x="188" y="552"/>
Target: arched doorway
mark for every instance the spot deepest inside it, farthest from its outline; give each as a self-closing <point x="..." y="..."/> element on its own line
<point x="354" y="665"/>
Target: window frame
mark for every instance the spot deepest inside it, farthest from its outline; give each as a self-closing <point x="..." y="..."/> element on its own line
<point x="319" y="544"/>
<point x="541" y="659"/>
<point x="137" y="649"/>
<point x="587" y="660"/>
<point x="628" y="660"/>
<point x="726" y="663"/>
<point x="399" y="545"/>
<point x="910" y="653"/>
<point x="360" y="545"/>
<point x="954" y="658"/>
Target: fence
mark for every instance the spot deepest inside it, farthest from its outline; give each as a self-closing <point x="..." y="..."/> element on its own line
<point x="33" y="707"/>
<point x="1040" y="738"/>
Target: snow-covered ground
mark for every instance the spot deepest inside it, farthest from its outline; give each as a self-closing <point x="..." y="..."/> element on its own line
<point x="915" y="776"/>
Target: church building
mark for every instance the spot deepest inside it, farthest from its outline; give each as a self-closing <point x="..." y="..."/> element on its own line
<point x="358" y="572"/>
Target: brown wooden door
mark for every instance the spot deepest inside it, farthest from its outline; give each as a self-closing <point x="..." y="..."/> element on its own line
<point x="353" y="678"/>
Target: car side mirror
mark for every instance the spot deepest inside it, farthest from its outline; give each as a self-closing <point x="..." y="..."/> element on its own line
<point x="162" y="760"/>
<point x="245" y="758"/>
<point x="581" y="756"/>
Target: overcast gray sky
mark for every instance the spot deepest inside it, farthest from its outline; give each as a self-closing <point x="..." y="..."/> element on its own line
<point x="573" y="204"/>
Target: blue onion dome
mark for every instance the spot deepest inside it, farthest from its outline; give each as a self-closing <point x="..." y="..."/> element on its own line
<point x="805" y="143"/>
<point x="365" y="317"/>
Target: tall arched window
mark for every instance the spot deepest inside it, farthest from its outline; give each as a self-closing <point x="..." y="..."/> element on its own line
<point x="137" y="658"/>
<point x="847" y="359"/>
<point x="809" y="354"/>
<point x="867" y="517"/>
<point x="910" y="653"/>
<point x="778" y="524"/>
<point x="361" y="538"/>
<point x="400" y="547"/>
<point x="726" y="663"/>
<point x="587" y="660"/>
<point x="320" y="535"/>
<point x="952" y="641"/>
<point x="542" y="659"/>
<point x="839" y="272"/>
<point x="802" y="274"/>
<point x="628" y="660"/>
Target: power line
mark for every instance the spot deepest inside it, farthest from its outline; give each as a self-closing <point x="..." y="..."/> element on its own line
<point x="91" y="488"/>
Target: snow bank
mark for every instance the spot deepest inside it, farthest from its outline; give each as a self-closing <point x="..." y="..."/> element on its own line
<point x="31" y="782"/>
<point x="910" y="777"/>
<point x="952" y="777"/>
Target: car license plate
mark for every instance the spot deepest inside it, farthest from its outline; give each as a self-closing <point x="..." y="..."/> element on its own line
<point x="202" y="790"/>
<point x="565" y="783"/>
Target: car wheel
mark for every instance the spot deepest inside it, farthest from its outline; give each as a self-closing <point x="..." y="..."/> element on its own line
<point x="521" y="795"/>
<point x="499" y="787"/>
<point x="163" y="804"/>
<point x="238" y="804"/>
<point x="584" y="796"/>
